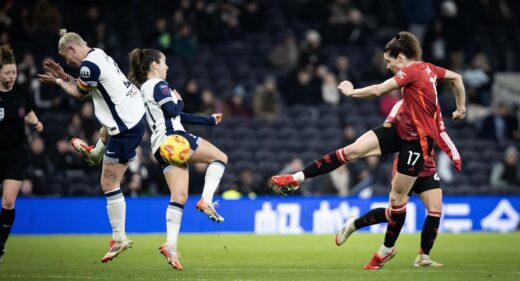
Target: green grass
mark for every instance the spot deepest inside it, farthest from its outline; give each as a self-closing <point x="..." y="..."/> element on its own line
<point x="479" y="256"/>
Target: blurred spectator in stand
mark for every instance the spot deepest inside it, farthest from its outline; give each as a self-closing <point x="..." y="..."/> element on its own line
<point x="311" y="50"/>
<point x="501" y="125"/>
<point x="445" y="167"/>
<point x="336" y="182"/>
<point x="378" y="71"/>
<point x="329" y="86"/>
<point x="89" y="122"/>
<point x="478" y="79"/>
<point x="343" y="70"/>
<point x="184" y="44"/>
<point x="191" y="96"/>
<point x="387" y="102"/>
<point x="229" y="27"/>
<point x="27" y="72"/>
<point x="285" y="54"/>
<point x="506" y="173"/>
<point x="27" y="188"/>
<point x="210" y="103"/>
<point x="418" y="14"/>
<point x="335" y="29"/>
<point x="301" y="87"/>
<point x="246" y="183"/>
<point x="41" y="168"/>
<point x="46" y="19"/>
<point x="267" y="102"/>
<point x="350" y="134"/>
<point x="163" y="38"/>
<point x="135" y="186"/>
<point x="237" y="105"/>
<point x="252" y="17"/>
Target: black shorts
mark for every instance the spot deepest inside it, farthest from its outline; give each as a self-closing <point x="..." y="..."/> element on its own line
<point x="411" y="160"/>
<point x="13" y="166"/>
<point x="423" y="184"/>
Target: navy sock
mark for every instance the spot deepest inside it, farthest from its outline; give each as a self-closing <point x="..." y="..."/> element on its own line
<point x="6" y="222"/>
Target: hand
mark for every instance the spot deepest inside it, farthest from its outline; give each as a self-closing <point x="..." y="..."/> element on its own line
<point x="459" y="114"/>
<point x="47" y="78"/>
<point x="346" y="88"/>
<point x="218" y="118"/>
<point x="38" y="126"/>
<point x="54" y="68"/>
<point x="177" y="94"/>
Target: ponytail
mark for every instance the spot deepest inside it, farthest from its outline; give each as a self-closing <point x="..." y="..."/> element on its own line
<point x="140" y="60"/>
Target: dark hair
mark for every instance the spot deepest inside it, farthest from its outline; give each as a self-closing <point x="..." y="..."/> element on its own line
<point x="404" y="43"/>
<point x="140" y="60"/>
<point x="6" y="55"/>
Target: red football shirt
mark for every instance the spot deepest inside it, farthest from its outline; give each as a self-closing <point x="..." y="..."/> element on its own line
<point x="418" y="83"/>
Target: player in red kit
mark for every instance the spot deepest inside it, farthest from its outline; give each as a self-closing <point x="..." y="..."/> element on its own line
<point x="427" y="186"/>
<point x="413" y="136"/>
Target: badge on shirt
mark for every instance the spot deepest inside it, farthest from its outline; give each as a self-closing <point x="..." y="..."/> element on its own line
<point x="165" y="90"/>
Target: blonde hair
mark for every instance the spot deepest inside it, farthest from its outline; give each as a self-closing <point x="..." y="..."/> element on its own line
<point x="67" y="38"/>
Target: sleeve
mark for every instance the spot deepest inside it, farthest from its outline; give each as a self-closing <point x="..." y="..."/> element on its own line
<point x="446" y="144"/>
<point x="405" y="76"/>
<point x="441" y="72"/>
<point x="396" y="110"/>
<point x="197" y="119"/>
<point x="163" y="96"/>
<point x="88" y="77"/>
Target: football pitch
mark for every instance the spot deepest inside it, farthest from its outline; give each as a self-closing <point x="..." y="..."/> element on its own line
<point x="477" y="256"/>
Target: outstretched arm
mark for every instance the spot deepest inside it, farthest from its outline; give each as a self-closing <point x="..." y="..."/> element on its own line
<point x="348" y="90"/>
<point x="54" y="74"/>
<point x="32" y="120"/>
<point x="213" y="119"/>
<point x="457" y="87"/>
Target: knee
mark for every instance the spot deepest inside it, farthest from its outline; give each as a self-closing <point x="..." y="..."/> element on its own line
<point x="8" y="203"/>
<point x="350" y="152"/>
<point x="107" y="185"/>
<point x="179" y="197"/>
<point x="434" y="208"/>
<point x="223" y="157"/>
<point x="397" y="197"/>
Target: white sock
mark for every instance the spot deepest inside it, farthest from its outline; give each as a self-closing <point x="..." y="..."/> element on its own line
<point x="116" y="208"/>
<point x="213" y="175"/>
<point x="173" y="224"/>
<point x="98" y="151"/>
<point x="299" y="177"/>
<point x="383" y="251"/>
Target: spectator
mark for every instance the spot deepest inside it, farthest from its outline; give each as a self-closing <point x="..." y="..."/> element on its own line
<point x="336" y="182"/>
<point x="302" y="88"/>
<point x="500" y="126"/>
<point x="478" y="79"/>
<point x="252" y="17"/>
<point x="343" y="70"/>
<point x="210" y="103"/>
<point x="191" y="96"/>
<point x="506" y="173"/>
<point x="267" y="102"/>
<point x="237" y="105"/>
<point x="285" y="53"/>
<point x="311" y="51"/>
<point x="387" y="102"/>
<point x="184" y="44"/>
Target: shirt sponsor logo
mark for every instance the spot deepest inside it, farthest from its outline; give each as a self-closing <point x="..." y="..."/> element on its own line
<point x="2" y="113"/>
<point x="401" y="74"/>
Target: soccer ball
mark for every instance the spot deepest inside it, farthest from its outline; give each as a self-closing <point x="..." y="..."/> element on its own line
<point x="175" y="150"/>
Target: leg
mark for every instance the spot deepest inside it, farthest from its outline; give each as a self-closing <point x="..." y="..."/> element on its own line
<point x="93" y="154"/>
<point x="366" y="145"/>
<point x="432" y="199"/>
<point x="208" y="153"/>
<point x="10" y="192"/>
<point x="396" y="214"/>
<point x="374" y="216"/>
<point x="177" y="179"/>
<point x="111" y="176"/>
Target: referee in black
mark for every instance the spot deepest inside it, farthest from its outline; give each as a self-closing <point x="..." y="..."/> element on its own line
<point x="15" y="111"/>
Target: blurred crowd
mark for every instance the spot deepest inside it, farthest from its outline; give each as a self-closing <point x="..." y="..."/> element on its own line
<point x="257" y="59"/>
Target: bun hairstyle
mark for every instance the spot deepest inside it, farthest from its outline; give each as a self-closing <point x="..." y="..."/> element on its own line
<point x="404" y="43"/>
<point x="140" y="61"/>
<point x="67" y="38"/>
<point x="6" y="55"/>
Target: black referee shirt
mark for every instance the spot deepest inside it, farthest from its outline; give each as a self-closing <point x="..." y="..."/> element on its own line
<point x="14" y="105"/>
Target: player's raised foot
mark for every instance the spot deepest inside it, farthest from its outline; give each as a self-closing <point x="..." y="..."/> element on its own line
<point x="377" y="261"/>
<point x="209" y="210"/>
<point x="283" y="184"/>
<point x="82" y="147"/>
<point x="116" y="247"/>
<point x="424" y="260"/>
<point x="171" y="255"/>
<point x="345" y="231"/>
